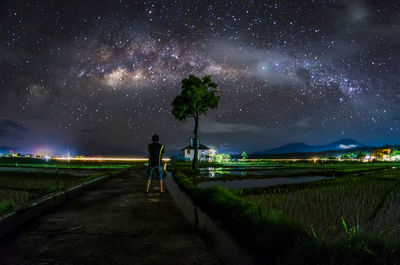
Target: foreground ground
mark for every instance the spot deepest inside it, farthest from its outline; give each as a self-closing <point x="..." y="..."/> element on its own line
<point x="349" y="218"/>
<point x="116" y="223"/>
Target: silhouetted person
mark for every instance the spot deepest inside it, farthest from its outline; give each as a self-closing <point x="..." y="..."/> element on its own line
<point x="156" y="150"/>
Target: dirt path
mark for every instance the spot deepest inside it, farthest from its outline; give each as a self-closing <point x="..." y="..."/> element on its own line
<point x="113" y="224"/>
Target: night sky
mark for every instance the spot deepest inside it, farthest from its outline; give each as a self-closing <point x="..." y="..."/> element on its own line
<point x="99" y="77"/>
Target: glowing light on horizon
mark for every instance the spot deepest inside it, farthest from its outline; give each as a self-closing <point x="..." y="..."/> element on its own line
<point x="137" y="159"/>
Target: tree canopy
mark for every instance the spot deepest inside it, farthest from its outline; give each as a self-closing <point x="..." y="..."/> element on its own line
<point x="195" y="98"/>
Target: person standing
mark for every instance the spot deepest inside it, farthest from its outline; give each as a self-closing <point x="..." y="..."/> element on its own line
<point x="156" y="151"/>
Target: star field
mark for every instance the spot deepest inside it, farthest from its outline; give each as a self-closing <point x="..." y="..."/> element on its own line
<point x="99" y="76"/>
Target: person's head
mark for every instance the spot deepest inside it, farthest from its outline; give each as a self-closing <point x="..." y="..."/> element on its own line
<point x="155" y="138"/>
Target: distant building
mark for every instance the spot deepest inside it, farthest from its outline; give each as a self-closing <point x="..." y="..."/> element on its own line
<point x="204" y="153"/>
<point x="369" y="158"/>
<point x="386" y="154"/>
<point x="386" y="151"/>
<point x="382" y="154"/>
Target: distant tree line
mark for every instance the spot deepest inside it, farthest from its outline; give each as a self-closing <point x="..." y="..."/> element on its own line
<point x="355" y="153"/>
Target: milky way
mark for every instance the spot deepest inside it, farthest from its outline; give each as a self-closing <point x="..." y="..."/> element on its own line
<point x="98" y="77"/>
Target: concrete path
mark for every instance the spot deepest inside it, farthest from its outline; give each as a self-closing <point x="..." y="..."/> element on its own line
<point x="116" y="223"/>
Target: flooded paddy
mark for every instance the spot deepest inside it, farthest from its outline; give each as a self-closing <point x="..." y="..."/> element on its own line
<point x="260" y="183"/>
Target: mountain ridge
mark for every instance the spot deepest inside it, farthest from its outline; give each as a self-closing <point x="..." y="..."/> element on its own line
<point x="298" y="147"/>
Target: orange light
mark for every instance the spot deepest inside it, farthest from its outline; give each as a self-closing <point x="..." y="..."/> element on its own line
<point x="105" y="159"/>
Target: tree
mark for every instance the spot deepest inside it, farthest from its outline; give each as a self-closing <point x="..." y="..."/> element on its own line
<point x="361" y="155"/>
<point x="344" y="157"/>
<point x="222" y="157"/>
<point x="395" y="152"/>
<point x="195" y="99"/>
<point x="244" y="155"/>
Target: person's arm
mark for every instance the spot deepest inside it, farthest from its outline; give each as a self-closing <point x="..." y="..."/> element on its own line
<point x="165" y="164"/>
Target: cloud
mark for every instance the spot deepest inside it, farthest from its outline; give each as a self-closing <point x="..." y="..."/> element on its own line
<point x="343" y="146"/>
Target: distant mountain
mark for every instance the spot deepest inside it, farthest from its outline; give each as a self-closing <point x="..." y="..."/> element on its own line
<point x="343" y="144"/>
<point x="291" y="148"/>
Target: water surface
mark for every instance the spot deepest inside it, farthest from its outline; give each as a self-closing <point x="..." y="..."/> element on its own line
<point x="260" y="183"/>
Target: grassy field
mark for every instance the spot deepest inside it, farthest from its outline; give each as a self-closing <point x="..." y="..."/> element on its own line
<point x="19" y="188"/>
<point x="39" y="163"/>
<point x="351" y="219"/>
<point x="25" y="180"/>
<point x="369" y="203"/>
<point x="271" y="169"/>
<point x="67" y="166"/>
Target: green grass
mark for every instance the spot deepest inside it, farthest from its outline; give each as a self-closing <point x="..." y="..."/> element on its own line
<point x="6" y="206"/>
<point x="19" y="188"/>
<point x="363" y="201"/>
<point x="272" y="169"/>
<point x="18" y="197"/>
<point x="66" y="166"/>
<point x="39" y="163"/>
<point x="320" y="236"/>
<point x="266" y="231"/>
<point x="22" y="187"/>
<point x="40" y="183"/>
<point x="289" y="163"/>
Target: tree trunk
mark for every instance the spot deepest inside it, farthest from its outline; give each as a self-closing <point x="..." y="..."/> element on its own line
<point x="196" y="137"/>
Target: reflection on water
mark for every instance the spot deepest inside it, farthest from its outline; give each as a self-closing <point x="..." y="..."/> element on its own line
<point x="259" y="183"/>
<point x="212" y="172"/>
<point x="216" y="173"/>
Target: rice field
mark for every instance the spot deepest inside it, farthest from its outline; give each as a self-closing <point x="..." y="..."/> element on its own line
<point x="367" y="202"/>
<point x="19" y="188"/>
<point x="67" y="166"/>
<point x="40" y="183"/>
<point x="22" y="185"/>
<point x="272" y="169"/>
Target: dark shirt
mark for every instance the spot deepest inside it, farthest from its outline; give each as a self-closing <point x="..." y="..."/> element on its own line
<point x="156" y="151"/>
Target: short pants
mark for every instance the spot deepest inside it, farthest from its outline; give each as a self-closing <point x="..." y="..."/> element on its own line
<point x="160" y="172"/>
